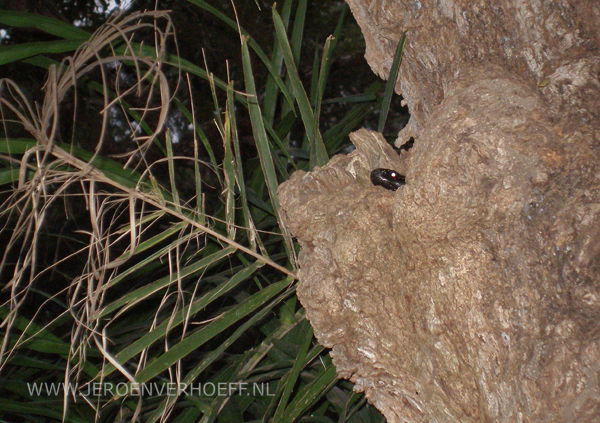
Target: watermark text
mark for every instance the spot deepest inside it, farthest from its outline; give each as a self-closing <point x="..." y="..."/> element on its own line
<point x="97" y="389"/>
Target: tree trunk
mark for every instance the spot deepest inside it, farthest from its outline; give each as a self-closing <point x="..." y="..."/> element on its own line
<point x="472" y="293"/>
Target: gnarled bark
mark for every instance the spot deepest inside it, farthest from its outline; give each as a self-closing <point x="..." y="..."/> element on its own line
<point x="473" y="292"/>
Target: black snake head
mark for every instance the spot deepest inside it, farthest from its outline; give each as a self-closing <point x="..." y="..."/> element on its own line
<point x="387" y="178"/>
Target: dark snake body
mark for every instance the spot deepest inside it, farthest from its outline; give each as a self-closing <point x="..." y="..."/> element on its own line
<point x="387" y="178"/>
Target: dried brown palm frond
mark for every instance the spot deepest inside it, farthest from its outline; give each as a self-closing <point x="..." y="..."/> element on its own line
<point x="49" y="172"/>
<point x="47" y="161"/>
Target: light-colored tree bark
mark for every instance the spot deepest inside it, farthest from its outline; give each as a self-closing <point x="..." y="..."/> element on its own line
<point x="473" y="292"/>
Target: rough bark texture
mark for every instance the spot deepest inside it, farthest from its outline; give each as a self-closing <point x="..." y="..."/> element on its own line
<point x="473" y="292"/>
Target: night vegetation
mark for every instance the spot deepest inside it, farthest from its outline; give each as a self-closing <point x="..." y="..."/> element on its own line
<point x="140" y="156"/>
